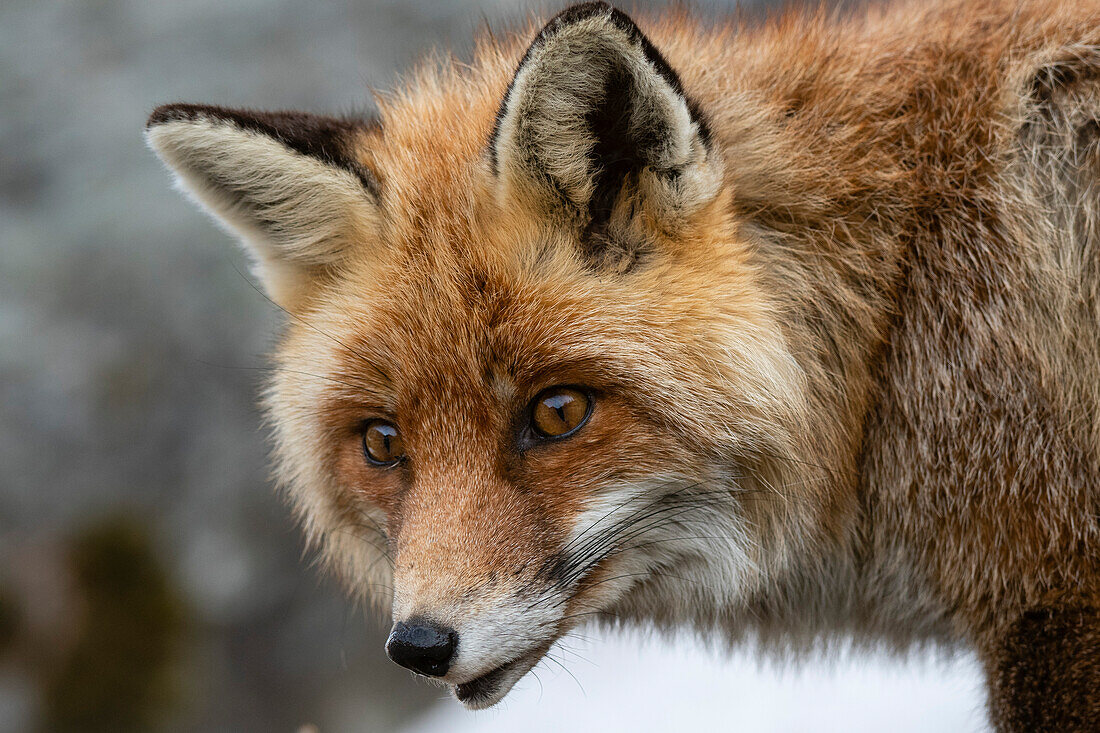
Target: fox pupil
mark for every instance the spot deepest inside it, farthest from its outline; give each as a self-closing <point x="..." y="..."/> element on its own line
<point x="382" y="443"/>
<point x="560" y="411"/>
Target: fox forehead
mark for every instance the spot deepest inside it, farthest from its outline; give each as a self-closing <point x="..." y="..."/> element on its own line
<point x="499" y="314"/>
<point x="419" y="339"/>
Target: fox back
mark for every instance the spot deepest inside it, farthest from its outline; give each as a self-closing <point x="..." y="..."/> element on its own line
<point x="786" y="331"/>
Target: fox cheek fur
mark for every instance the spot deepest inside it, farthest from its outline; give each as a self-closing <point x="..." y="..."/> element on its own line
<point x="828" y="292"/>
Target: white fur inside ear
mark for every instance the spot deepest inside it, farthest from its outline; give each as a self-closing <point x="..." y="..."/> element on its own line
<point x="545" y="133"/>
<point x="294" y="212"/>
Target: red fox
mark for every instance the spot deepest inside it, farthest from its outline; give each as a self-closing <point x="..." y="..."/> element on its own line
<point x="785" y="331"/>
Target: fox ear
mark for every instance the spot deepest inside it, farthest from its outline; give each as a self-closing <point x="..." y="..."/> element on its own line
<point x="287" y="183"/>
<point x="596" y="123"/>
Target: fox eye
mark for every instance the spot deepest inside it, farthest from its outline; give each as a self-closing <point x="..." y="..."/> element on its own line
<point x="559" y="411"/>
<point x="382" y="443"/>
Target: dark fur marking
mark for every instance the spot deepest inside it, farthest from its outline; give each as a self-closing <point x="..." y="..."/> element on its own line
<point x="1060" y="75"/>
<point x="615" y="154"/>
<point x="1088" y="133"/>
<point x="1047" y="675"/>
<point x="324" y="138"/>
<point x="555" y="570"/>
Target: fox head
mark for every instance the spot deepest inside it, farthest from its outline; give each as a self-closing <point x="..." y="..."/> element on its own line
<point x="530" y="374"/>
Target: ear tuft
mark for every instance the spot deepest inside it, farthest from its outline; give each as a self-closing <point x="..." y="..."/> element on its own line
<point x="288" y="183"/>
<point x="595" y="116"/>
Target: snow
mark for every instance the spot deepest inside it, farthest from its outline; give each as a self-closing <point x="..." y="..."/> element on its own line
<point x="627" y="682"/>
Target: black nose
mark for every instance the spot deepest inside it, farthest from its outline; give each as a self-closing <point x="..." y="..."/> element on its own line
<point x="422" y="646"/>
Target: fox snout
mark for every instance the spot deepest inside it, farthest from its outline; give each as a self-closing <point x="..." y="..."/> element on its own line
<point x="481" y="646"/>
<point x="471" y="606"/>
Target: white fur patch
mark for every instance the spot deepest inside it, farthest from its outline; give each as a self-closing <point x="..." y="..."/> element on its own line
<point x="661" y="525"/>
<point x="643" y="530"/>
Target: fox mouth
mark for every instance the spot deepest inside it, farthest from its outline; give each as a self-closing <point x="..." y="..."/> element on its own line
<point x="490" y="688"/>
<point x="483" y="688"/>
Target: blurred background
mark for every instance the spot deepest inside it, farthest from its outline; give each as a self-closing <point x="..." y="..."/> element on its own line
<point x="150" y="579"/>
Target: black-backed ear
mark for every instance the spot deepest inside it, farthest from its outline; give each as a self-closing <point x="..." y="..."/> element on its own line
<point x="596" y="124"/>
<point x="288" y="184"/>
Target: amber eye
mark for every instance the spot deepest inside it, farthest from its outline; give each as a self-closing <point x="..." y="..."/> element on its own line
<point x="382" y="443"/>
<point x="559" y="411"/>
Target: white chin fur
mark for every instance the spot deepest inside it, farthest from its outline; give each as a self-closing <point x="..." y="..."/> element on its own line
<point x="501" y="686"/>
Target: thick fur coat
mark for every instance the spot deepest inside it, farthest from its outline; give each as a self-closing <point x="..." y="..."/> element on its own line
<point x="831" y="285"/>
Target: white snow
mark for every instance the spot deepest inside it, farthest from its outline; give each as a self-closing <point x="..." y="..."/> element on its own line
<point x="626" y="682"/>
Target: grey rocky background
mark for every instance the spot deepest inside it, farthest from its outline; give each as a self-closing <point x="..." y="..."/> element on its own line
<point x="132" y="461"/>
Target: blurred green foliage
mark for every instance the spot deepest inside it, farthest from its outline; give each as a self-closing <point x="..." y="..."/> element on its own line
<point x="9" y="619"/>
<point x="118" y="674"/>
